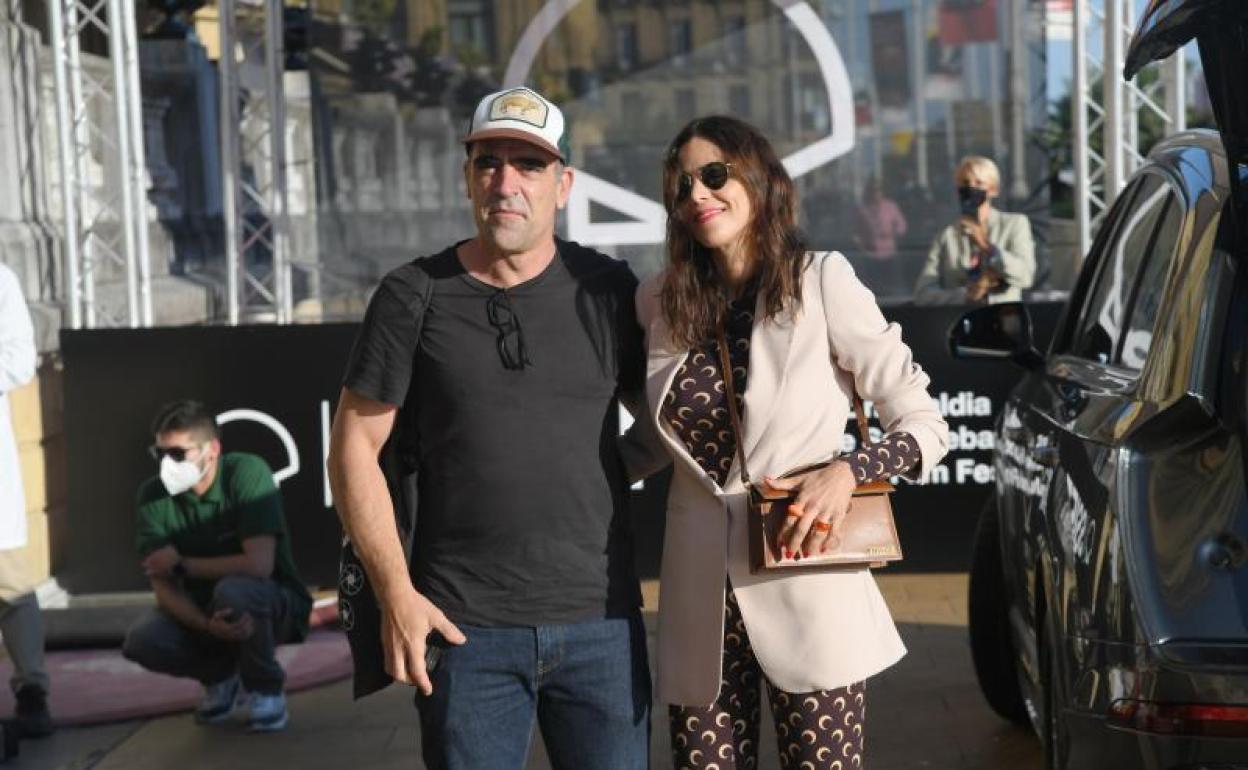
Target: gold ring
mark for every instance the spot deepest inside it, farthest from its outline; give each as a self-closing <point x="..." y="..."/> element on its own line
<point x="792" y="514"/>
<point x="821" y="526"/>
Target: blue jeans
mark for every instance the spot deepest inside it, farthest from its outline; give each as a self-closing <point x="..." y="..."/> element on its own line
<point x="587" y="684"/>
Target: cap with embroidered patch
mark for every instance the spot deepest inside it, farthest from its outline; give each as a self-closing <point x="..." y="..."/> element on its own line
<point x="520" y="113"/>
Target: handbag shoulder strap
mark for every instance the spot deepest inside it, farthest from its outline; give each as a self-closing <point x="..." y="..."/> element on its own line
<point x="725" y="366"/>
<point x="861" y="415"/>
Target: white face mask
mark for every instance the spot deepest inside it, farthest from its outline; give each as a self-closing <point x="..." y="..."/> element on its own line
<point x="179" y="476"/>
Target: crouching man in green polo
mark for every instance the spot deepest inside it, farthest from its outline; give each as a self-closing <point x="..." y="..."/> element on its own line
<point x="214" y="544"/>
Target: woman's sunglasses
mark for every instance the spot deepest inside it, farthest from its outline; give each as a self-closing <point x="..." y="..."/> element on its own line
<point x="713" y="176"/>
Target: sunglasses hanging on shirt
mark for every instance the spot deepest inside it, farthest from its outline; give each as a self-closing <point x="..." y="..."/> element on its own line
<point x="510" y="336"/>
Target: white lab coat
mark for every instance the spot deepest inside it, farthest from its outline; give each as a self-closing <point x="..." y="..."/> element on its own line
<point x="17" y="367"/>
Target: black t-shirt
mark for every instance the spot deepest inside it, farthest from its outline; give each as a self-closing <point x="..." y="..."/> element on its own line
<point x="522" y="516"/>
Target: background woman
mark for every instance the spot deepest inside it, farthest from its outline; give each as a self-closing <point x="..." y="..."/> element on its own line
<point x="983" y="256"/>
<point x="803" y="332"/>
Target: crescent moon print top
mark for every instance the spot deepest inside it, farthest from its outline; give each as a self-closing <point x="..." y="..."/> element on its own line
<point x="696" y="408"/>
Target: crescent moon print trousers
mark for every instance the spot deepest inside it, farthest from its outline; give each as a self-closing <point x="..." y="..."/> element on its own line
<point x="815" y="730"/>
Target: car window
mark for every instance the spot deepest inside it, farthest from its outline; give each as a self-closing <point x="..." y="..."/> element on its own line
<point x="1152" y="285"/>
<point x="1065" y="338"/>
<point x="1104" y="316"/>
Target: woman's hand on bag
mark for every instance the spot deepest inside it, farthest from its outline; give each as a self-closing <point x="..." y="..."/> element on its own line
<point x="823" y="498"/>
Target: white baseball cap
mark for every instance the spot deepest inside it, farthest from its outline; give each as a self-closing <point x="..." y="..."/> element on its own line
<point x="519" y="113"/>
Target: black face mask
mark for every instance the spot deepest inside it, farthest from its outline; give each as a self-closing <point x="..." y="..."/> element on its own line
<point x="970" y="199"/>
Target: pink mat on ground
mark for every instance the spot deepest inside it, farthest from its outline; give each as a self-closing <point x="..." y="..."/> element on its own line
<point x="94" y="686"/>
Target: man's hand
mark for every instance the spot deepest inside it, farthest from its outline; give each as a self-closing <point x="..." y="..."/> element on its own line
<point x="405" y="628"/>
<point x="238" y="630"/>
<point x="160" y="563"/>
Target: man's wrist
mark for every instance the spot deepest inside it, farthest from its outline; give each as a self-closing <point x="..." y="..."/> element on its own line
<point x="393" y="593"/>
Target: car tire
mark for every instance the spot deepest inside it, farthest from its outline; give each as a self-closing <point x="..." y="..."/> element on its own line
<point x="1054" y="734"/>
<point x="991" y="648"/>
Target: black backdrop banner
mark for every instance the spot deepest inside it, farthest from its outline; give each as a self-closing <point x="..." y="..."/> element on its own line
<point x="274" y="388"/>
<point x="936" y="520"/>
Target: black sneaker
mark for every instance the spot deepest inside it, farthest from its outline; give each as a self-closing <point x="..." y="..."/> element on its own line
<point x="33" y="719"/>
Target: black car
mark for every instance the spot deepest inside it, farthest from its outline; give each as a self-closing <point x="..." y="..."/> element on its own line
<point x="1109" y="586"/>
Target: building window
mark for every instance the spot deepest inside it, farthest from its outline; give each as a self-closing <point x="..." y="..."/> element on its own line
<point x="791" y="42"/>
<point x="680" y="35"/>
<point x="735" y="50"/>
<point x="467" y="30"/>
<point x="626" y="46"/>
<point x="739" y="101"/>
<point x="468" y="26"/>
<point x="814" y="106"/>
<point x="585" y="84"/>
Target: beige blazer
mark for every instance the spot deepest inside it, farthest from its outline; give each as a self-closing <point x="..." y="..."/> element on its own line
<point x="809" y="631"/>
<point x="943" y="278"/>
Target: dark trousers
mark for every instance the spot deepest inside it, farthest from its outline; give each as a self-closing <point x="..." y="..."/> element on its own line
<point x="160" y="643"/>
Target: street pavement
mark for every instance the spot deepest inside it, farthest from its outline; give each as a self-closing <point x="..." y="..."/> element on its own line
<point x="925" y="712"/>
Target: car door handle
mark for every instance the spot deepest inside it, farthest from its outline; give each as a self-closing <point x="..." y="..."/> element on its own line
<point x="1045" y="455"/>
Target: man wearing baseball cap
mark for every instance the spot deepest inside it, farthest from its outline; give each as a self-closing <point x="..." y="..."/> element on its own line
<point x="490" y="372"/>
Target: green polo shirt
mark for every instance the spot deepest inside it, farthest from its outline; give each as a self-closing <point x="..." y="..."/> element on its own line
<point x="242" y="502"/>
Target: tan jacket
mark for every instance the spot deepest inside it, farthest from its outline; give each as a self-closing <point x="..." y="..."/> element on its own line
<point x="813" y="631"/>
<point x="943" y="278"/>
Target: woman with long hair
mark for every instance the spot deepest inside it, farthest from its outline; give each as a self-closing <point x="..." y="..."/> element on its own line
<point x="802" y="334"/>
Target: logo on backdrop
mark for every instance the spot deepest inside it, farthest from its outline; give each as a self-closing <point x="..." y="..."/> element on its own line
<point x="268" y="421"/>
<point x="288" y="443"/>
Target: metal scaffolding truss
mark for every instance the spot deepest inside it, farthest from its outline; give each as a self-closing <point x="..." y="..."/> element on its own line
<point x="1028" y="99"/>
<point x="253" y="162"/>
<point x="1116" y="114"/>
<point x="105" y="218"/>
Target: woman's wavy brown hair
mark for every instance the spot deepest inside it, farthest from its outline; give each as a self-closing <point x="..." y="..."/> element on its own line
<point x="694" y="303"/>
